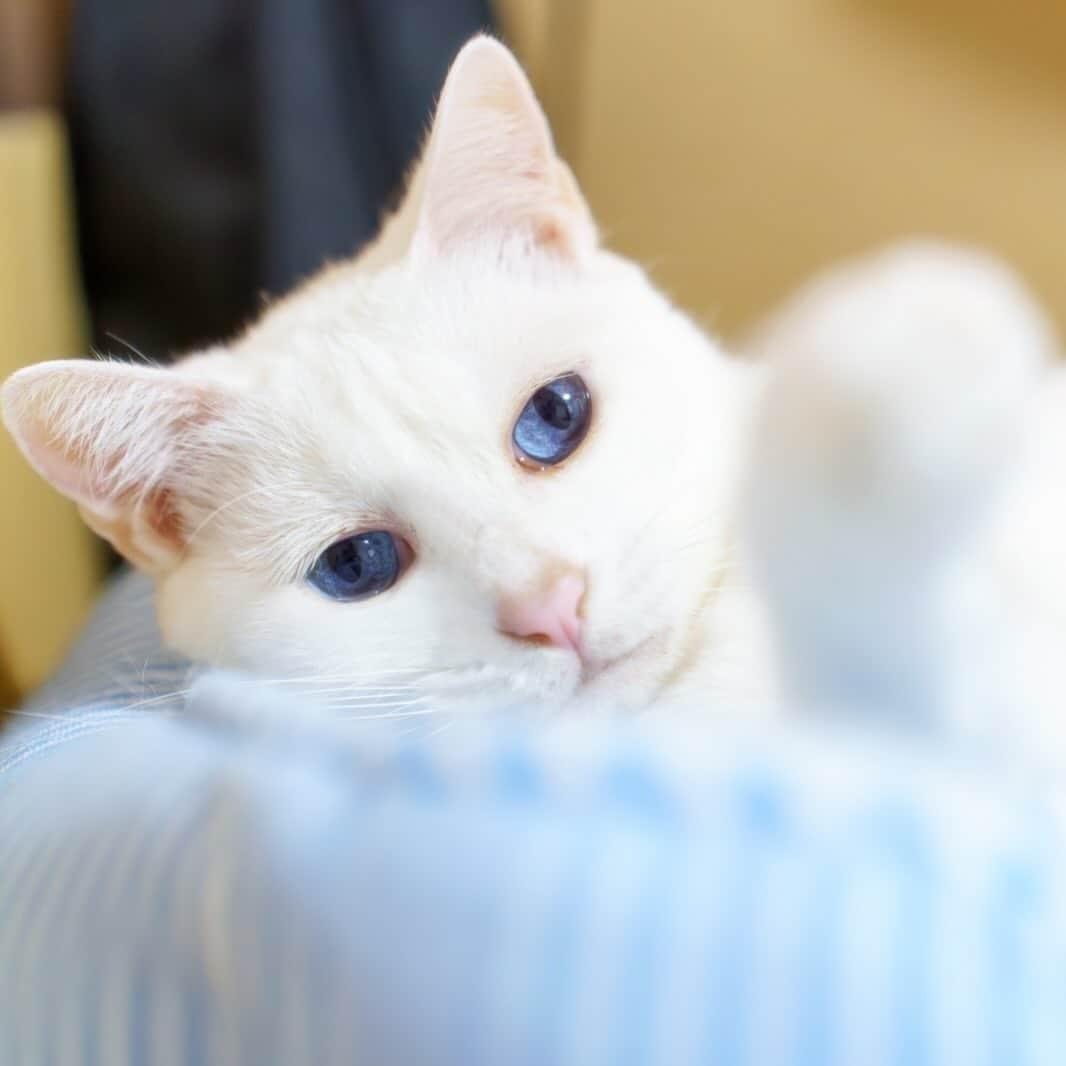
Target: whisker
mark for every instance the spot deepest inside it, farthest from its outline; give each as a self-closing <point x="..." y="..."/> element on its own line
<point x="356" y="702"/>
<point x="336" y="679"/>
<point x="179" y="694"/>
<point x="391" y="714"/>
<point x="218" y="510"/>
<point x="440" y="729"/>
<point x="136" y="351"/>
<point x="354" y="689"/>
<point x="66" y="716"/>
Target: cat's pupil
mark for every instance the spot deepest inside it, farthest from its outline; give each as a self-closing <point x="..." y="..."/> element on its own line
<point x="358" y="566"/>
<point x="346" y="561"/>
<point x="553" y="422"/>
<point x="554" y="408"/>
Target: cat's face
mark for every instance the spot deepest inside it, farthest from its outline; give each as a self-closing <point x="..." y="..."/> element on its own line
<point x="394" y="401"/>
<point x="485" y="462"/>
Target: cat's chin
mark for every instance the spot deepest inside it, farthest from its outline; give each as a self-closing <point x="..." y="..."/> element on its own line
<point x="629" y="681"/>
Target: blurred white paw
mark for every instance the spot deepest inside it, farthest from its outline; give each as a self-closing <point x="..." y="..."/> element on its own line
<point x="897" y="404"/>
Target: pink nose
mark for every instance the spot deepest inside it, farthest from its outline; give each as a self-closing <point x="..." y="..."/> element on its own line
<point x="550" y="616"/>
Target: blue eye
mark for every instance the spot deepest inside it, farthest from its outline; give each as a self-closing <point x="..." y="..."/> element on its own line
<point x="553" y="423"/>
<point x="359" y="566"/>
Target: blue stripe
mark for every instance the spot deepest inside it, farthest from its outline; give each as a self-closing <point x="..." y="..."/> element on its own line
<point x="653" y="927"/>
<point x="515" y="786"/>
<point x="900" y="843"/>
<point x="818" y="976"/>
<point x="1019" y="893"/>
<point x="551" y="1013"/>
<point x="759" y="826"/>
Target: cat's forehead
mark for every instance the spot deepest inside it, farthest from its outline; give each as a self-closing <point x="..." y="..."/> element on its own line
<point x="450" y="343"/>
<point x="391" y="400"/>
<point x="459" y="299"/>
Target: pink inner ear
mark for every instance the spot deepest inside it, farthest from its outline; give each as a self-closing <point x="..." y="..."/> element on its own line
<point x="69" y="472"/>
<point x="109" y="436"/>
<point x="141" y="522"/>
<point x="491" y="167"/>
<point x="79" y="423"/>
<point x="163" y="516"/>
<point x="55" y="467"/>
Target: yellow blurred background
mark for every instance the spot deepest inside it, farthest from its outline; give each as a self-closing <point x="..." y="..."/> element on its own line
<point x="737" y="147"/>
<point x="733" y="148"/>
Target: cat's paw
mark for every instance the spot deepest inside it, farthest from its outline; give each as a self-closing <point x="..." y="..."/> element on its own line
<point x="896" y="406"/>
<point x="898" y="390"/>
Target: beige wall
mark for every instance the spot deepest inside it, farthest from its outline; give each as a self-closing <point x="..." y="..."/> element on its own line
<point x="49" y="563"/>
<point x="736" y="146"/>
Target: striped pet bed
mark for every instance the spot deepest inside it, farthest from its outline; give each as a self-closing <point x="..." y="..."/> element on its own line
<point x="219" y="876"/>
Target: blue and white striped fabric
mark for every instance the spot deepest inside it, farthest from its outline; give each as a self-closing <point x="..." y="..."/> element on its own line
<point x="116" y="670"/>
<point x="248" y="883"/>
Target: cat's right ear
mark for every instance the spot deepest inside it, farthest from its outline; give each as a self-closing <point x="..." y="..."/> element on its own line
<point x="127" y="443"/>
<point x="490" y="172"/>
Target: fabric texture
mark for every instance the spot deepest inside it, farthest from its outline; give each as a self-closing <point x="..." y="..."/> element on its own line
<point x="239" y="879"/>
<point x="117" y="671"/>
<point x="225" y="150"/>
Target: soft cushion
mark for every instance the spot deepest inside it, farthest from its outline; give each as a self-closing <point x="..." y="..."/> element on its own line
<point x="242" y="879"/>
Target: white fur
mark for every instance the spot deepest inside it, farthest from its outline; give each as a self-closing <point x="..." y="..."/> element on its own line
<point x="393" y="398"/>
<point x="905" y="501"/>
<point x="383" y="394"/>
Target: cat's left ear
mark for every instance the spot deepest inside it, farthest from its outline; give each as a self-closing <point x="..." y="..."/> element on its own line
<point x="490" y="170"/>
<point x="140" y="450"/>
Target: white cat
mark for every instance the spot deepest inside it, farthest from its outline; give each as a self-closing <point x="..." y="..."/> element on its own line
<point x="485" y="461"/>
<point x="488" y="462"/>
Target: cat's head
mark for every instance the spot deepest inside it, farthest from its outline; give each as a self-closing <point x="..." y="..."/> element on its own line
<point x="486" y="460"/>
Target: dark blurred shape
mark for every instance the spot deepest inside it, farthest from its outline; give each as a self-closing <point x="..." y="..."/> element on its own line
<point x="224" y="149"/>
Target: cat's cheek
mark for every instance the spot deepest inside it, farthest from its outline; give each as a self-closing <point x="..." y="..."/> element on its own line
<point x="192" y="617"/>
<point x="223" y="617"/>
